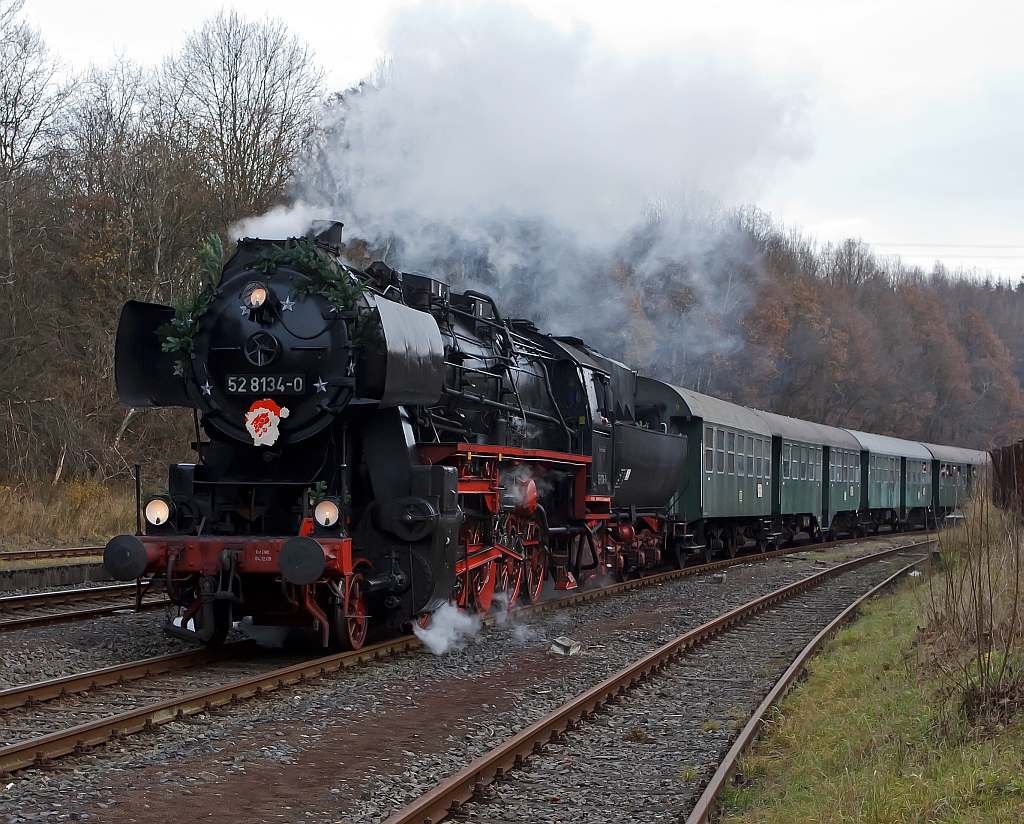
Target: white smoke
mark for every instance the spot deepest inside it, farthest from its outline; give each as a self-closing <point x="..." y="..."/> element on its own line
<point x="570" y="182"/>
<point x="292" y="220"/>
<point x="447" y="629"/>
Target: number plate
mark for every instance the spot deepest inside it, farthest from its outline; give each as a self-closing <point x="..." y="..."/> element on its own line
<point x="266" y="384"/>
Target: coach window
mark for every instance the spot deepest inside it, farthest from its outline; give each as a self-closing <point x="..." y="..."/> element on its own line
<point x="768" y="460"/>
<point x="719" y="450"/>
<point x="709" y="448"/>
<point x="785" y="460"/>
<point x="758" y="462"/>
<point x="741" y="448"/>
<point x="803" y="463"/>
<point x="750" y="456"/>
<point x="730" y="448"/>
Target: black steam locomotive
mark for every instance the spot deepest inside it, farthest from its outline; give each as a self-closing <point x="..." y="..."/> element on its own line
<point x="372" y="445"/>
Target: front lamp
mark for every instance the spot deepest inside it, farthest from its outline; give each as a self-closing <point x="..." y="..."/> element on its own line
<point x="158" y="511"/>
<point x="327" y="512"/>
<point x="255" y="295"/>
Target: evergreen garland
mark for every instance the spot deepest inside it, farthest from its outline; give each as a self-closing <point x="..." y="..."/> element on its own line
<point x="177" y="334"/>
<point x="320" y="274"/>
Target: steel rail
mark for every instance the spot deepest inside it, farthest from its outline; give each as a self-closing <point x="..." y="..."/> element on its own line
<point x="48" y="552"/>
<point x="470" y="782"/>
<point x="78" y="615"/>
<point x="63" y="596"/>
<point x="706" y="802"/>
<point x="41" y="751"/>
<point x="42" y="691"/>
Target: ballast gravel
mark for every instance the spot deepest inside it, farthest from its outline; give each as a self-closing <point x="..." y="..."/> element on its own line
<point x="356" y="746"/>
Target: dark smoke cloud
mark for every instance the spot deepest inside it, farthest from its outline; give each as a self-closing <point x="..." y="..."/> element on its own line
<point x="582" y="189"/>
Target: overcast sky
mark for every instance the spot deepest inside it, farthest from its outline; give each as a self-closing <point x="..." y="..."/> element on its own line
<point x="912" y="112"/>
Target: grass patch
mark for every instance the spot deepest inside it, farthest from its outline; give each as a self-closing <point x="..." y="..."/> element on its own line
<point x="77" y="513"/>
<point x="873" y="735"/>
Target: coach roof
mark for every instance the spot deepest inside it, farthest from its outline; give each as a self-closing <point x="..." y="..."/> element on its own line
<point x="884" y="445"/>
<point x="794" y="429"/>
<point x="955" y="454"/>
<point x="717" y="412"/>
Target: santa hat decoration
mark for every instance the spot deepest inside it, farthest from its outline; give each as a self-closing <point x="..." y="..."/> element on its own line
<point x="262" y="421"/>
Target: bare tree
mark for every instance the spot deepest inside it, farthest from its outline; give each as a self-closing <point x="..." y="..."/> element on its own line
<point x="252" y="89"/>
<point x="31" y="97"/>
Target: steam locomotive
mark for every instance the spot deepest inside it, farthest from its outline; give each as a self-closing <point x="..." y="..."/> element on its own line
<point x="372" y="445"/>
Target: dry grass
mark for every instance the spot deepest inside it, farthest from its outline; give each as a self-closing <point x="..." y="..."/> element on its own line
<point x="973" y="636"/>
<point x="77" y="513"/>
<point x="866" y="739"/>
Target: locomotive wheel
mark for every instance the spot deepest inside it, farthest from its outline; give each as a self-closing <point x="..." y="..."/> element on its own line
<point x="510" y="579"/>
<point x="350" y="630"/>
<point x="482" y="581"/>
<point x="533" y="577"/>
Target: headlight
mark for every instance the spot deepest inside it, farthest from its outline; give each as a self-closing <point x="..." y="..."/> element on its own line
<point x="327" y="512"/>
<point x="158" y="511"/>
<point x="255" y="295"/>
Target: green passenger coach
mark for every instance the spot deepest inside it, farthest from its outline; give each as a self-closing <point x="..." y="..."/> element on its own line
<point x="883" y="498"/>
<point x="954" y="472"/>
<point x="816" y="483"/>
<point x="726" y="501"/>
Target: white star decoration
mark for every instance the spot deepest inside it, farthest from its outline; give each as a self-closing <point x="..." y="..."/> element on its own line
<point x="321" y="385"/>
<point x="288" y="304"/>
<point x="207" y="389"/>
<point x="245" y="311"/>
<point x="179" y="370"/>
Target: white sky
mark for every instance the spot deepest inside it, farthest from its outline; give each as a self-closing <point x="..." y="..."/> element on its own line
<point x="916" y="109"/>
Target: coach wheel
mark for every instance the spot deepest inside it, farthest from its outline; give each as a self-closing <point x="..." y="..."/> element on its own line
<point x="707" y="554"/>
<point x="350" y="629"/>
<point x="482" y="581"/>
<point x="762" y="545"/>
<point x="730" y="547"/>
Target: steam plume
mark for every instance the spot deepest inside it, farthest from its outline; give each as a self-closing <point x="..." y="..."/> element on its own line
<point x="578" y="187"/>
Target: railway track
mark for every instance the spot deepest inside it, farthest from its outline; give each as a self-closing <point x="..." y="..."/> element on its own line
<point x="602" y="729"/>
<point x="33" y="603"/>
<point x="50" y="553"/>
<point x="40" y="750"/>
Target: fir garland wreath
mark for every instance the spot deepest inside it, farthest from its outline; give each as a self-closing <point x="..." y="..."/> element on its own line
<point x="177" y="335"/>
<point x="320" y="274"/>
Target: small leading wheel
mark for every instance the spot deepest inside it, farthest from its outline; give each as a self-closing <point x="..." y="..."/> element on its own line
<point x="350" y="629"/>
<point x="221" y="623"/>
<point x="482" y="581"/>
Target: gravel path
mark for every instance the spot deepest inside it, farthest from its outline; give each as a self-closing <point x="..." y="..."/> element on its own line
<point x="356" y="746"/>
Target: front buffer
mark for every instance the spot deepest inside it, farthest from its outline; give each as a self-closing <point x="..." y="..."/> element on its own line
<point x="301" y="581"/>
